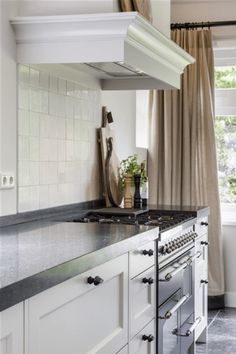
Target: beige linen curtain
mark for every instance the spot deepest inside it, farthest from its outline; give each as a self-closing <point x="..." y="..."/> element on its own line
<point x="182" y="154"/>
<point x="142" y="6"/>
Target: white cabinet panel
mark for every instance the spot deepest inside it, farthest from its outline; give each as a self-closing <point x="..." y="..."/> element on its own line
<point x="200" y="284"/>
<point x="201" y="290"/>
<point x="140" y="346"/>
<point x="142" y="300"/>
<point x="11" y="330"/>
<point x="77" y="317"/>
<point x="125" y="350"/>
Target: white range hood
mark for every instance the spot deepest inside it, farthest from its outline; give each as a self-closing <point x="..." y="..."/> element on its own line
<point x="123" y="50"/>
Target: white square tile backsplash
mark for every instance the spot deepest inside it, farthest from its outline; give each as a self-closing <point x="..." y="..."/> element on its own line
<point x="57" y="149"/>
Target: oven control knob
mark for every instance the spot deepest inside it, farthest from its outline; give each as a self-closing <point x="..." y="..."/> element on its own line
<point x="162" y="250"/>
<point x="168" y="250"/>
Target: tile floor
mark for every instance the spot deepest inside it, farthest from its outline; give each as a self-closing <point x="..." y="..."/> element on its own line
<point x="221" y="333"/>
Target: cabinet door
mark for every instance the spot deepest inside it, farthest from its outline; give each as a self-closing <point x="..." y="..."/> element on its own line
<point x="142" y="300"/>
<point x="76" y="317"/>
<point x="11" y="330"/>
<point x="201" y="290"/>
<point x="140" y="346"/>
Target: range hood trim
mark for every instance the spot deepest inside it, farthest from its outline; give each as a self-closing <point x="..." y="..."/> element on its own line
<point x="102" y="38"/>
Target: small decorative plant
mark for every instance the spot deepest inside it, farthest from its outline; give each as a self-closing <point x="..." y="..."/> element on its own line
<point x="131" y="167"/>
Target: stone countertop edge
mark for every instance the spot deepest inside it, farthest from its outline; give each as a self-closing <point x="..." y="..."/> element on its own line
<point x="33" y="285"/>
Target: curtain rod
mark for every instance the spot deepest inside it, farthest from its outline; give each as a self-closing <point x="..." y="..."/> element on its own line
<point x="189" y="25"/>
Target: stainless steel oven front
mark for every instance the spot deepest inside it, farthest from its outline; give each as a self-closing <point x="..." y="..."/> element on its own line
<point x="175" y="301"/>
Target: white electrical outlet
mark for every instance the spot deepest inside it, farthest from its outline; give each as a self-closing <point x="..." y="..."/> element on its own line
<point x="7" y="180"/>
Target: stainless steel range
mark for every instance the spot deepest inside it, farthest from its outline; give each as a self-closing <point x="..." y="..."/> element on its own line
<point x="176" y="261"/>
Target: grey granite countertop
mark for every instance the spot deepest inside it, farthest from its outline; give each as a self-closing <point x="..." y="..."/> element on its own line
<point x="37" y="255"/>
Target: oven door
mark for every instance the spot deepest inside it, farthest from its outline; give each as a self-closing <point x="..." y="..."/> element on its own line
<point x="174" y="276"/>
<point x="168" y="320"/>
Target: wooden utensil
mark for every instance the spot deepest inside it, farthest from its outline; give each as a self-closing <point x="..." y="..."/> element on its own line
<point x="110" y="161"/>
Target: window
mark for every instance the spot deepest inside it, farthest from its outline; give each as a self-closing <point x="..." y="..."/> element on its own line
<point x="225" y="128"/>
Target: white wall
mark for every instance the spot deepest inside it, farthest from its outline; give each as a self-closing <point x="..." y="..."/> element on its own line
<point x="208" y="10"/>
<point x="161" y="15"/>
<point x="62" y="7"/>
<point x="123" y="107"/>
<point x="224" y="37"/>
<point x="8" y="116"/>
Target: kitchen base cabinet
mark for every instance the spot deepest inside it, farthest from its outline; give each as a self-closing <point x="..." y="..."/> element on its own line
<point x="11" y="330"/>
<point x="144" y="342"/>
<point x="86" y="314"/>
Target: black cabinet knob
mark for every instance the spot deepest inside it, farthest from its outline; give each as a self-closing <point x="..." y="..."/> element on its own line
<point x="204" y="223"/>
<point x="205" y="243"/>
<point x="96" y="281"/>
<point x="204" y="281"/>
<point x="150" y="281"/>
<point x="148" y="252"/>
<point x="149" y="338"/>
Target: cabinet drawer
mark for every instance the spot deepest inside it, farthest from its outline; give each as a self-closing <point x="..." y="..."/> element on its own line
<point x="78" y="317"/>
<point x="141" y="259"/>
<point x="140" y="346"/>
<point x="201" y="226"/>
<point x="202" y="247"/>
<point x="142" y="300"/>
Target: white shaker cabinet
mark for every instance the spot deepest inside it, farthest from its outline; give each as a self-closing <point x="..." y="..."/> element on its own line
<point x="201" y="281"/>
<point x="11" y="330"/>
<point x="78" y="317"/>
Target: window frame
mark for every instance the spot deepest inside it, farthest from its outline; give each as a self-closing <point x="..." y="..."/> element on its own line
<point x="226" y="106"/>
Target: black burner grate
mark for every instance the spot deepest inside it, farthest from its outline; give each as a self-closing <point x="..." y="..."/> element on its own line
<point x="151" y="218"/>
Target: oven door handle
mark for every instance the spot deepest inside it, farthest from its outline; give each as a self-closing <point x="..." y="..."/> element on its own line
<point x="197" y="255"/>
<point x="170" y="275"/>
<point x="190" y="330"/>
<point x="170" y="312"/>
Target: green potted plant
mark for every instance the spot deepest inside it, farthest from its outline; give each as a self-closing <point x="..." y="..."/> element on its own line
<point x="129" y="169"/>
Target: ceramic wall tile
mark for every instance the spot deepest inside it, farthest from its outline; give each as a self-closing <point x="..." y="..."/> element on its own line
<point x="58" y="163"/>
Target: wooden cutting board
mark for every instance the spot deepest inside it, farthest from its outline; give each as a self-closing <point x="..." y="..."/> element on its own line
<point x="107" y="134"/>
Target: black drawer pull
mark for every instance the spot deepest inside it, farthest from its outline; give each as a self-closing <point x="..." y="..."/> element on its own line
<point x="204" y="223"/>
<point x="148" y="253"/>
<point x="205" y="243"/>
<point x="150" y="281"/>
<point x="204" y="281"/>
<point x="96" y="281"/>
<point x="149" y="338"/>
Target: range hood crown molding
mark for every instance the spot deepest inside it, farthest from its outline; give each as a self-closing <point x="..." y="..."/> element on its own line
<point x="125" y="38"/>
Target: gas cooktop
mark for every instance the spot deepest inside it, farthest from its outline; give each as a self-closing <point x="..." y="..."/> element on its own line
<point x="161" y="219"/>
